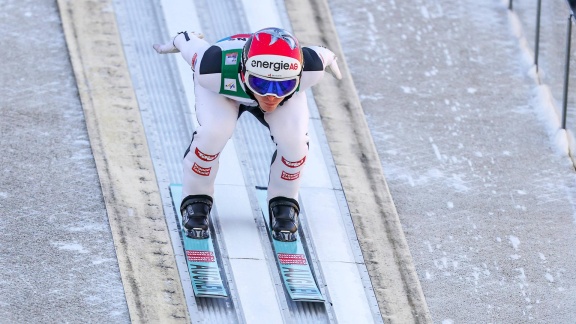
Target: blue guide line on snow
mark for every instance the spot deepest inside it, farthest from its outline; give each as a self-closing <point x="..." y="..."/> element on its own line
<point x="292" y="262"/>
<point x="200" y="257"/>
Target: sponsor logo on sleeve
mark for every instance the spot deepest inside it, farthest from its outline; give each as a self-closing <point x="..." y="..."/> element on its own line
<point x="231" y="58"/>
<point x="291" y="164"/>
<point x="194" y="61"/>
<point x="200" y="170"/>
<point x="205" y="157"/>
<point x="229" y="84"/>
<point x="290" y="176"/>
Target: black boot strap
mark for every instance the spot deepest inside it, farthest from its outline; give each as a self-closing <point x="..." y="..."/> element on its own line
<point x="190" y="200"/>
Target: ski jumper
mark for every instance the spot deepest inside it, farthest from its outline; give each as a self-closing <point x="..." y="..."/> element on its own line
<point x="221" y="97"/>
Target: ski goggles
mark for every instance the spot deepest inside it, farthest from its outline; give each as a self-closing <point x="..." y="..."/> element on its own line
<point x="266" y="87"/>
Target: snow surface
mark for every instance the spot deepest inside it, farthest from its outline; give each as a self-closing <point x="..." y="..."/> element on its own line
<point x="468" y="132"/>
<point x="57" y="259"/>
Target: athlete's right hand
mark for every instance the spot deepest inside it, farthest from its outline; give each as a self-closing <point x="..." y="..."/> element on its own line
<point x="165" y="48"/>
<point x="172" y="47"/>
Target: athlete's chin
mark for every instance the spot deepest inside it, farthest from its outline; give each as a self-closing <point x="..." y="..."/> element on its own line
<point x="268" y="108"/>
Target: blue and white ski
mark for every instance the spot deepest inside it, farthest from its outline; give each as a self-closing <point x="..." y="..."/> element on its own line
<point x="292" y="261"/>
<point x="202" y="264"/>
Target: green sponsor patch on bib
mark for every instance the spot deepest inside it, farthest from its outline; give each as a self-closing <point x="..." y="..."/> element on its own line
<point x="230" y="84"/>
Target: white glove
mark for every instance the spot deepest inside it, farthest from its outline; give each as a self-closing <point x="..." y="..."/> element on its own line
<point x="166" y="48"/>
<point x="334" y="69"/>
<point x="329" y="59"/>
<point x="171" y="46"/>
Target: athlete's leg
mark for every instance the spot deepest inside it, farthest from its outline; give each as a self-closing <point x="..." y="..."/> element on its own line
<point x="217" y="116"/>
<point x="288" y="126"/>
<point x="289" y="130"/>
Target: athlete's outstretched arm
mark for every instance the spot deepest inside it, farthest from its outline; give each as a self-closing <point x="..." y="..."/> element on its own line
<point x="185" y="43"/>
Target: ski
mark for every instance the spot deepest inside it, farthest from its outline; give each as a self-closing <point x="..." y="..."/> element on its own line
<point x="200" y="257"/>
<point x="292" y="261"/>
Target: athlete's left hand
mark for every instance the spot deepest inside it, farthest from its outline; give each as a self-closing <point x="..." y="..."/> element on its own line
<point x="334" y="69"/>
<point x="329" y="59"/>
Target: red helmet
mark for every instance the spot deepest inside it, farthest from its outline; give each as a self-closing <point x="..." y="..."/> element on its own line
<point x="272" y="62"/>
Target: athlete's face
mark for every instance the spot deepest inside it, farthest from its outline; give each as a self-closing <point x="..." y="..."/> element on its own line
<point x="268" y="103"/>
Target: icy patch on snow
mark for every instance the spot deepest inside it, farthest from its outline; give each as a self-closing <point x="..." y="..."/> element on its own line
<point x="102" y="260"/>
<point x="520" y="207"/>
<point x="522" y="275"/>
<point x="3" y="195"/>
<point x="82" y="142"/>
<point x="373" y="97"/>
<point x="408" y="89"/>
<point x="457" y="183"/>
<point x="437" y="152"/>
<point x="424" y="12"/>
<point x="87" y="156"/>
<point x="514" y="241"/>
<point x="88" y="228"/>
<point x="432" y="72"/>
<point x="70" y="247"/>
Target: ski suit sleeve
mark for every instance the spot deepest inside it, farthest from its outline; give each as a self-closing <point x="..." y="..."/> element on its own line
<point x="317" y="59"/>
<point x="186" y="43"/>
